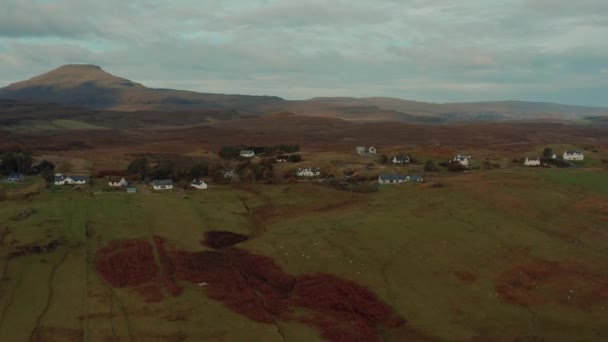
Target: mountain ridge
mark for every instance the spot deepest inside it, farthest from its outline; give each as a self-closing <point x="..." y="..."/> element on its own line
<point x="89" y="86"/>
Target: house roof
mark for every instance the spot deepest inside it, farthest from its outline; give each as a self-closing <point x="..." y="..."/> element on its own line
<point x="161" y="182"/>
<point x="79" y="178"/>
<point x="15" y="176"/>
<point x="574" y="152"/>
<point x="311" y="169"/>
<point x="115" y="179"/>
<point x="393" y="177"/>
<point x="198" y="182"/>
<point x="402" y="157"/>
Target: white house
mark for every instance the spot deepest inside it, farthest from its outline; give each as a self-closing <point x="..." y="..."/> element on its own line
<point x="392" y="179"/>
<point x="463" y="159"/>
<point x="230" y="173"/>
<point x="371" y="150"/>
<point x="532" y="162"/>
<point x="199" y="184"/>
<point x="573" y="155"/>
<point x="308" y="172"/>
<point x="117" y="182"/>
<point x="360" y="149"/>
<point x="162" y="184"/>
<point x="69" y="180"/>
<point x="15" y="178"/>
<point x="247" y="154"/>
<point x="401" y="159"/>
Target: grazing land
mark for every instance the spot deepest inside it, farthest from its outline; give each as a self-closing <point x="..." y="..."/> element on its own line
<point x="511" y="254"/>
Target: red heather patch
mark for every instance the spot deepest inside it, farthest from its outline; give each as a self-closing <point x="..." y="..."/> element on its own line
<point x="252" y="285"/>
<point x="127" y="264"/>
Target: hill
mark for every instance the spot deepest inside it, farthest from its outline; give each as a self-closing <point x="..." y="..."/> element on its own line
<point x="91" y="87"/>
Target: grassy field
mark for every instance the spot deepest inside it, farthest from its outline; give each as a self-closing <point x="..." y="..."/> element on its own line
<point x="490" y="256"/>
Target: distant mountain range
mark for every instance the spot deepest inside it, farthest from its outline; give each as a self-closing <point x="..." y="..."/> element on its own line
<point x="88" y="86"/>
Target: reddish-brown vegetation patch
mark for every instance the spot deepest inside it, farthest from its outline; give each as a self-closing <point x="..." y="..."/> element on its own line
<point x="222" y="239"/>
<point x="127" y="264"/>
<point x="465" y="276"/>
<point x="343" y="310"/>
<point x="540" y="281"/>
<point x="252" y="285"/>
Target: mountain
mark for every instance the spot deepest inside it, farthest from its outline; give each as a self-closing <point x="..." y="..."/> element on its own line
<point x="89" y="86"/>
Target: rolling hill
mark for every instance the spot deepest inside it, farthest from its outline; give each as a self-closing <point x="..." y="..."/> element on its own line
<point x="89" y="86"/>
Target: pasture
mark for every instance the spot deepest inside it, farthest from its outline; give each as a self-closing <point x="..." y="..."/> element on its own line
<point x="489" y="256"/>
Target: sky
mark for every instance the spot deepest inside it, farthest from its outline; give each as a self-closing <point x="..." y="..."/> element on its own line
<point x="425" y="50"/>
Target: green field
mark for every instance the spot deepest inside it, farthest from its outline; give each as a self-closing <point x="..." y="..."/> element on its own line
<point x="438" y="256"/>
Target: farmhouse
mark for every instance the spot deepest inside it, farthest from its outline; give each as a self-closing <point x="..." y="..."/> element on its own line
<point x="392" y="179"/>
<point x="573" y="155"/>
<point x="162" y="184"/>
<point x="199" y="184"/>
<point x="360" y="150"/>
<point x="532" y="162"/>
<point x="462" y="158"/>
<point x="308" y="172"/>
<point x="247" y="154"/>
<point x="401" y="159"/>
<point x="69" y="180"/>
<point x="117" y="182"/>
<point x="15" y="178"/>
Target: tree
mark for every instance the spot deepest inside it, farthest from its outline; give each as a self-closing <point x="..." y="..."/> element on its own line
<point x="383" y="159"/>
<point x="547" y="152"/>
<point x="139" y="167"/>
<point x="430" y="166"/>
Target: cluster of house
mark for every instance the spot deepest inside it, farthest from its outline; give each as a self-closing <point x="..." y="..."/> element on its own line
<point x="568" y="155"/>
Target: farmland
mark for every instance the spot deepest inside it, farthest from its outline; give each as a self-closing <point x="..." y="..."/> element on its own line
<point x="495" y="255"/>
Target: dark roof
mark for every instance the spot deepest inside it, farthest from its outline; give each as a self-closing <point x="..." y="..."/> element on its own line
<point x="573" y="152"/>
<point x="392" y="177"/>
<point x="15" y="176"/>
<point x="161" y="182"/>
<point x="115" y="179"/>
<point x="198" y="182"/>
<point x="79" y="178"/>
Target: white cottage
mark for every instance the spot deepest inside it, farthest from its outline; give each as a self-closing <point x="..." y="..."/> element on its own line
<point x="360" y="149"/>
<point x="162" y="184"/>
<point x="117" y="182"/>
<point x="401" y="159"/>
<point x="308" y="172"/>
<point x="371" y="150"/>
<point x="69" y="180"/>
<point x="199" y="184"/>
<point x="532" y="162"/>
<point x="392" y="179"/>
<point x="247" y="154"/>
<point x="573" y="155"/>
<point x="463" y="159"/>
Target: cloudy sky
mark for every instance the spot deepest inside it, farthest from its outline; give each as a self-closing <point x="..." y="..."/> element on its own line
<point x="428" y="50"/>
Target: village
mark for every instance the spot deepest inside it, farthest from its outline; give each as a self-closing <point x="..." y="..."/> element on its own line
<point x="260" y="164"/>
